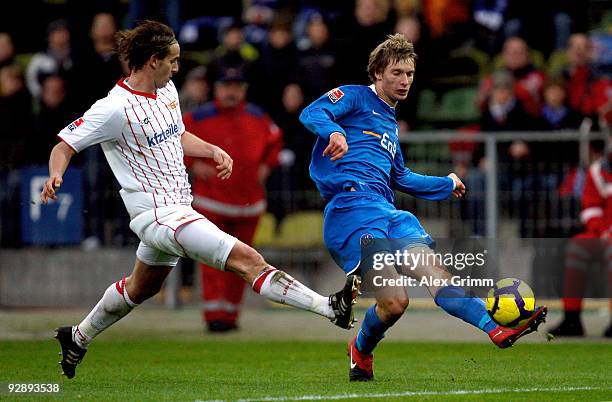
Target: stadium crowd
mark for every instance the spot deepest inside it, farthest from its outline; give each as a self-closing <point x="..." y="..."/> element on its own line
<point x="519" y="65"/>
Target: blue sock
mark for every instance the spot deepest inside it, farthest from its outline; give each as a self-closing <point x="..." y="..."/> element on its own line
<point x="472" y="310"/>
<point x="372" y="331"/>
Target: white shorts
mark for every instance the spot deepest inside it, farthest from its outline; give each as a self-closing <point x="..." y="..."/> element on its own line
<point x="154" y="257"/>
<point x="158" y="228"/>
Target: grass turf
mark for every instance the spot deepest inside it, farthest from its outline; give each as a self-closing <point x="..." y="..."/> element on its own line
<point x="180" y="370"/>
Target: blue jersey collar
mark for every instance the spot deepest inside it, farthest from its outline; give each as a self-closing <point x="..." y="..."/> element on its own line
<point x="383" y="101"/>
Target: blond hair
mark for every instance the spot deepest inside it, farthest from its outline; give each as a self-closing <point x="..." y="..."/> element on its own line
<point x="396" y="48"/>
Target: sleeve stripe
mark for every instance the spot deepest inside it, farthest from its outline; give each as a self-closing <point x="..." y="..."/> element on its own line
<point x="590" y="213"/>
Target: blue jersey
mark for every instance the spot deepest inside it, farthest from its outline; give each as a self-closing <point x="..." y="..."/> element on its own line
<point x="374" y="161"/>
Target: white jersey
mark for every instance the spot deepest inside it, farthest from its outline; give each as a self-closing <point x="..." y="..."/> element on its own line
<point x="140" y="134"/>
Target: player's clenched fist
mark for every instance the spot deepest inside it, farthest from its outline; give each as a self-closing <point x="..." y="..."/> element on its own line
<point x="459" y="190"/>
<point x="337" y="146"/>
<point x="48" y="191"/>
<point x="224" y="163"/>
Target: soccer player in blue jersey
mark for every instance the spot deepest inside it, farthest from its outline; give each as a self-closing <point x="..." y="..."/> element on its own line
<point x="356" y="164"/>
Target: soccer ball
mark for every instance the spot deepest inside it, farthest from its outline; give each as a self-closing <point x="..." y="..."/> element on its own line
<point x="510" y="302"/>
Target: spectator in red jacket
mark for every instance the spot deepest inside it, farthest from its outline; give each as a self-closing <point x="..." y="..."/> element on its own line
<point x="236" y="204"/>
<point x="528" y="81"/>
<point x="587" y="91"/>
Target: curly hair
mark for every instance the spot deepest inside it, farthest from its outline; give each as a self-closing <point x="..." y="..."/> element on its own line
<point x="148" y="38"/>
<point x="396" y="48"/>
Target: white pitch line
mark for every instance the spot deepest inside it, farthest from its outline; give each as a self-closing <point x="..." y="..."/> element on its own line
<point x="409" y="393"/>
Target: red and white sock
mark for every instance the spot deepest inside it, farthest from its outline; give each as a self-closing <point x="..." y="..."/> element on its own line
<point x="280" y="287"/>
<point x="114" y="305"/>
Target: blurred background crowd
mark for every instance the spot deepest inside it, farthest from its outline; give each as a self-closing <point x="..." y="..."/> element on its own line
<point x="488" y="65"/>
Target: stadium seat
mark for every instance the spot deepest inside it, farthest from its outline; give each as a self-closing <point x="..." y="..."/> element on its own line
<point x="605" y="22"/>
<point x="198" y="57"/>
<point x="460" y="105"/>
<point x="469" y="66"/>
<point x="415" y="152"/>
<point x="427" y="107"/>
<point x="478" y="56"/>
<point x="23" y="59"/>
<point x="556" y="62"/>
<point x="456" y="105"/>
<point x="419" y="156"/>
<point x="266" y="231"/>
<point x="477" y="62"/>
<point x="301" y="230"/>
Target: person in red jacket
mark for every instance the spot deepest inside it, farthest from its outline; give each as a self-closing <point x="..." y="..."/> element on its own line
<point x="588" y="90"/>
<point x="594" y="244"/>
<point x="528" y="80"/>
<point x="234" y="205"/>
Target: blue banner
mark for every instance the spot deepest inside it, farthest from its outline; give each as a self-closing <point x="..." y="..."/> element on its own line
<point x="58" y="222"/>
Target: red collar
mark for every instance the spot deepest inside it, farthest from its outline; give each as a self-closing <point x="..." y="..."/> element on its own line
<point x="123" y="85"/>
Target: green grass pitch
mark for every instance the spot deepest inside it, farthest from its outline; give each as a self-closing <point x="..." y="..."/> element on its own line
<point x="190" y="370"/>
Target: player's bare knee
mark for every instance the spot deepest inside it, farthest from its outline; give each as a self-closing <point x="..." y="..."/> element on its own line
<point x="393" y="307"/>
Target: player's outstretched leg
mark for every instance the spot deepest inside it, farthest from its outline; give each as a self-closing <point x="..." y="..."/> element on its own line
<point x="472" y="310"/>
<point x="281" y="287"/>
<point x="144" y="282"/>
<point x="200" y="241"/>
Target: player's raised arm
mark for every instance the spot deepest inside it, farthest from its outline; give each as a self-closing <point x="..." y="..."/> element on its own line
<point x="321" y="117"/>
<point x="58" y="162"/>
<point x="194" y="146"/>
<point x="99" y="124"/>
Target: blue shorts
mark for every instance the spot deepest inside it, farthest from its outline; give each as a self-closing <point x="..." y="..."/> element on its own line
<point x="353" y="218"/>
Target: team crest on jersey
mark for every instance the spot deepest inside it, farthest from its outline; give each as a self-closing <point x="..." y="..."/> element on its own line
<point x="335" y="95"/>
<point x="366" y="240"/>
<point x="72" y="126"/>
<point x="171" y="105"/>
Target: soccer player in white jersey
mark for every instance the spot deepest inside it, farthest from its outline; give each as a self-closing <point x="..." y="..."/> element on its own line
<point x="140" y="129"/>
